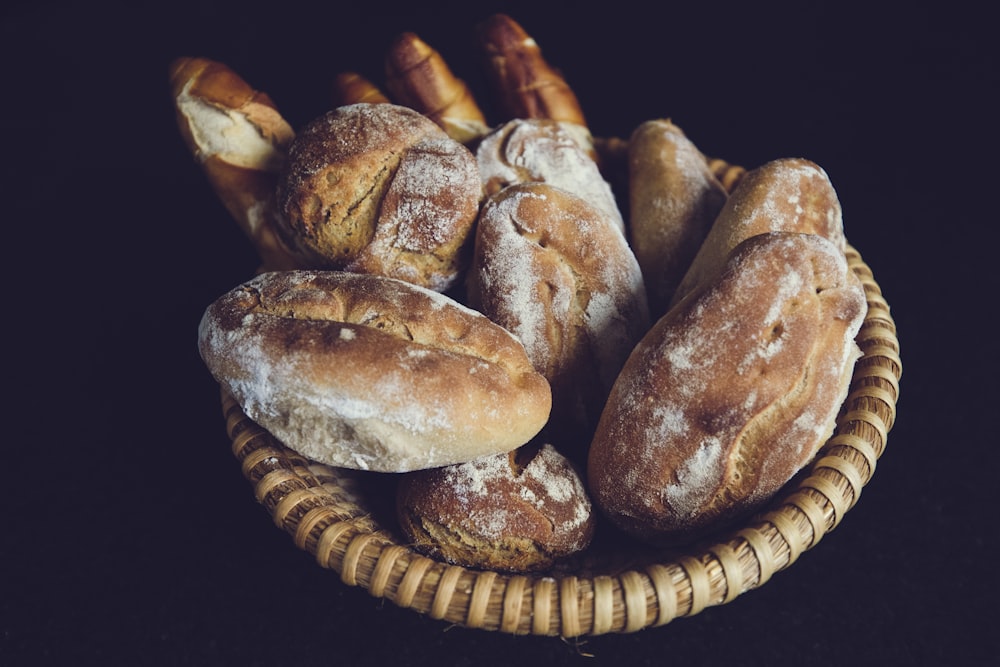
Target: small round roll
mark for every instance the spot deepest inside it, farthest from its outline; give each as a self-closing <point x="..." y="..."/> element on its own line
<point x="371" y="373"/>
<point x="379" y="188"/>
<point x="521" y="511"/>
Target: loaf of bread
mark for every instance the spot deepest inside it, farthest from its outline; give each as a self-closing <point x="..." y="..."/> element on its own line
<point x="526" y="85"/>
<point x="674" y="199"/>
<point x="240" y="140"/>
<point x="519" y="512"/>
<point x="552" y="269"/>
<point x="418" y="77"/>
<point x="784" y="195"/>
<point x="381" y="189"/>
<point x="543" y="151"/>
<point x="372" y="373"/>
<point x="732" y="392"/>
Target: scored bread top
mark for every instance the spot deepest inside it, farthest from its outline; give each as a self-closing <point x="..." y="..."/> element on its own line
<point x="380" y="188"/>
<point x="372" y="373"/>
<point x="733" y="391"/>
<point x="784" y="195"/>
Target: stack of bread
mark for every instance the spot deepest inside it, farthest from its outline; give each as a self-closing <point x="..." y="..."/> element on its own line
<point x="464" y="304"/>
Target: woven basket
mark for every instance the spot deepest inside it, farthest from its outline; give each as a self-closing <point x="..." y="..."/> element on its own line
<point x="335" y="515"/>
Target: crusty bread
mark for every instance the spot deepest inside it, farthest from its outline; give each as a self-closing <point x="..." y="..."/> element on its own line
<point x="367" y="372"/>
<point x="550" y="268"/>
<point x="353" y="88"/>
<point x="784" y="195"/>
<point x="732" y="392"/>
<point x="418" y="77"/>
<point x="240" y="140"/>
<point x="543" y="151"/>
<point x="520" y="512"/>
<point x="674" y="199"/>
<point x="380" y="188"/>
<point x="525" y="84"/>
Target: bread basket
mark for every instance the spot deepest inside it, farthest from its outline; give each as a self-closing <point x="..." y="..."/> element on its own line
<point x="614" y="587"/>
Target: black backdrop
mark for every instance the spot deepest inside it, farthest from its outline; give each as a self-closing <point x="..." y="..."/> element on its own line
<point x="130" y="535"/>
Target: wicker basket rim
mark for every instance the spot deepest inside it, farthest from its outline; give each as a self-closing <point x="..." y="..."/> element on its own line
<point x="321" y="509"/>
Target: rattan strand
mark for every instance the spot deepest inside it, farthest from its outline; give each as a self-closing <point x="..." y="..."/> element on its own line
<point x="325" y="513"/>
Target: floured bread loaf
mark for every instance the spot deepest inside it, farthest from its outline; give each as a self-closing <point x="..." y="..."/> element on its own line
<point x="732" y="392"/>
<point x="784" y="195"/>
<point x="521" y="511"/>
<point x="381" y="189"/>
<point x="371" y="373"/>
<point x="550" y="268"/>
<point x="673" y="200"/>
<point x="543" y="151"/>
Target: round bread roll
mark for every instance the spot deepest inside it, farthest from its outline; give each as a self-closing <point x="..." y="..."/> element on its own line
<point x="371" y="373"/>
<point x="732" y="392"/>
<point x="548" y="267"/>
<point x="673" y="200"/>
<point x="540" y="150"/>
<point x="379" y="188"/>
<point x="521" y="511"/>
<point x="784" y="195"/>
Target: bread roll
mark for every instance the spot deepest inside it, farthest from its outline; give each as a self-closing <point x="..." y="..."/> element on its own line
<point x="371" y="373"/>
<point x="785" y="195"/>
<point x="418" y="77"/>
<point x="240" y="140"/>
<point x="526" y="85"/>
<point x="543" y="151"/>
<point x="732" y="392"/>
<point x="673" y="200"/>
<point x="520" y="512"/>
<point x="380" y="188"/>
<point x="353" y="88"/>
<point x="549" y="268"/>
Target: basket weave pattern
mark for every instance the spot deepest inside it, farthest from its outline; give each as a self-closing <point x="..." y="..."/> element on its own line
<point x="325" y="512"/>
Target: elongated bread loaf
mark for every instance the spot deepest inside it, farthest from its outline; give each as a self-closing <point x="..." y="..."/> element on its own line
<point x="241" y="141"/>
<point x="784" y="195"/>
<point x="418" y="77"/>
<point x="552" y="269"/>
<point x="371" y="373"/>
<point x="732" y="392"/>
<point x="674" y="199"/>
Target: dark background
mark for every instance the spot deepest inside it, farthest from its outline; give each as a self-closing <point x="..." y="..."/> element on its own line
<point x="130" y="536"/>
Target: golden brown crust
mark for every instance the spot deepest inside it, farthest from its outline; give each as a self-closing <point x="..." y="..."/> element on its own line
<point x="519" y="512"/>
<point x="732" y="392"/>
<point x="553" y="270"/>
<point x="240" y="140"/>
<point x="353" y="88"/>
<point x="418" y="77"/>
<point x="380" y="188"/>
<point x="367" y="372"/>
<point x="784" y="195"/>
<point x="673" y="200"/>
<point x="525" y="84"/>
